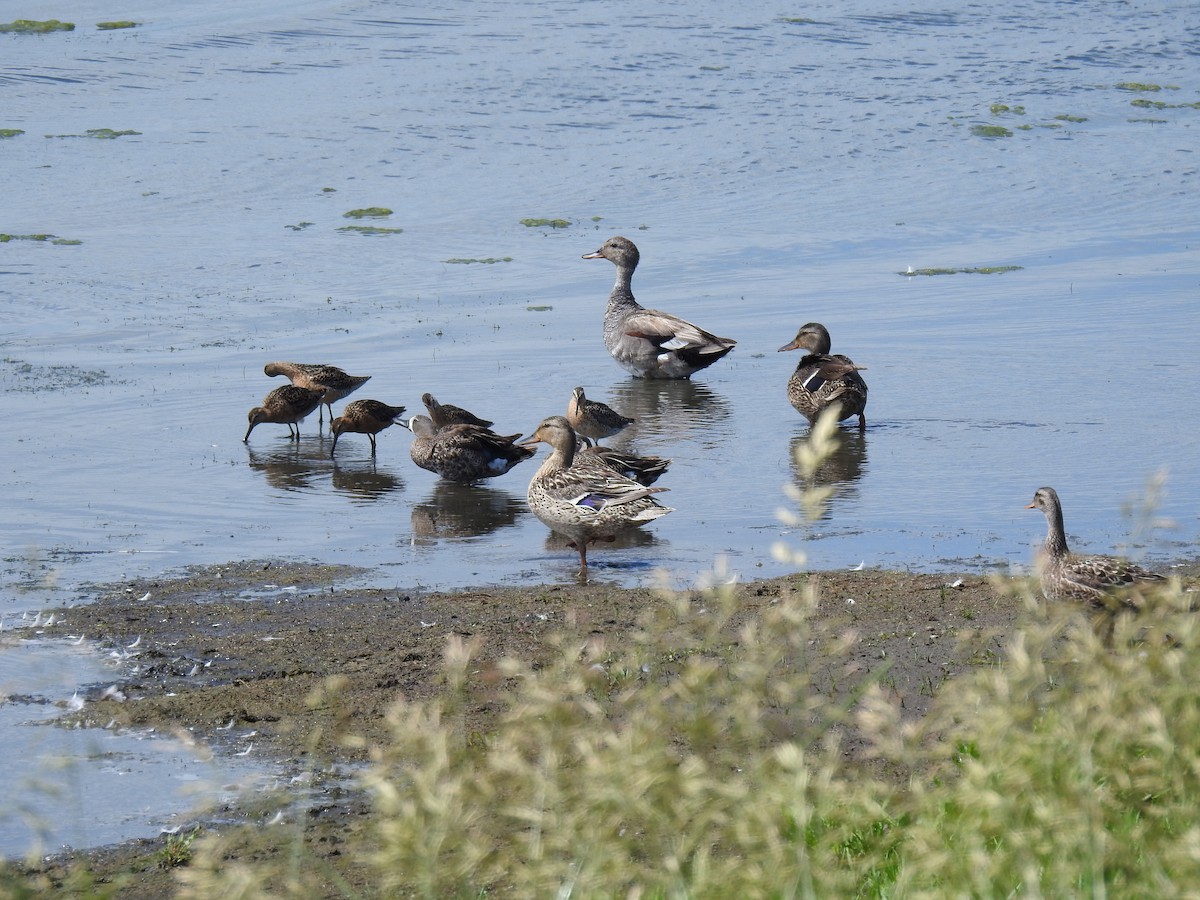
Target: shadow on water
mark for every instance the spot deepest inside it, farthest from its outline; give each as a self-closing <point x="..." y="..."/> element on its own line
<point x="455" y="510"/>
<point x="842" y="470"/>
<point x="292" y="466"/>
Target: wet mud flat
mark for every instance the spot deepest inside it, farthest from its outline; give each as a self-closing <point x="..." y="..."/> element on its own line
<point x="286" y="660"/>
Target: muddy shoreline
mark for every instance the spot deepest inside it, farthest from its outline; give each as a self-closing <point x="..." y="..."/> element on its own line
<point x="311" y="666"/>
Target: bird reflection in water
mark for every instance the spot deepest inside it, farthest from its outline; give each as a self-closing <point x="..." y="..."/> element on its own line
<point x="666" y="412"/>
<point x="841" y="470"/>
<point x="456" y="510"/>
<point x="292" y="468"/>
<point x="365" y="481"/>
<point x="624" y="539"/>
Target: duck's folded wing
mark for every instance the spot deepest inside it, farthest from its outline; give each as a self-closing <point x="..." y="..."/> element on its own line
<point x="668" y="332"/>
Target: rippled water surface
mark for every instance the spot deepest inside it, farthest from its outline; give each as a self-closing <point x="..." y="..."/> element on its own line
<point x="773" y="171"/>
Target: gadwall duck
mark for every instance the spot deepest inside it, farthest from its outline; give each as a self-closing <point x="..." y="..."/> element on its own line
<point x="286" y="405"/>
<point x="578" y="497"/>
<point x="1091" y="579"/>
<point x="335" y="382"/>
<point x="593" y="420"/>
<point x="642" y="469"/>
<point x="646" y="342"/>
<point x="443" y="414"/>
<point x="367" y="417"/>
<point x="463" y="453"/>
<point x="821" y="380"/>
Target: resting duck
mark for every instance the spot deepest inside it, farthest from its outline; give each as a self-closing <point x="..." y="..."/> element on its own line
<point x="593" y="420"/>
<point x="821" y="380"/>
<point x="463" y="453"/>
<point x="443" y="414"/>
<point x="286" y="405"/>
<point x="336" y="383"/>
<point x="1089" y="579"/>
<point x="580" y="498"/>
<point x="367" y="417"/>
<point x="646" y="342"/>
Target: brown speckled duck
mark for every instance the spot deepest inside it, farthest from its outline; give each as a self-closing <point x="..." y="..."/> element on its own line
<point x="593" y="420"/>
<point x="642" y="469"/>
<point x="579" y="497"/>
<point x="335" y="382"/>
<point x="821" y="380"/>
<point x="443" y="414"/>
<point x="1090" y="579"/>
<point x="647" y="342"/>
<point x="286" y="405"/>
<point x="367" y="417"/>
<point x="463" y="453"/>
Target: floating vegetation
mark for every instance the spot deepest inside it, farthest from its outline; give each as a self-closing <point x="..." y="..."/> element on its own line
<point x="300" y="226"/>
<point x="113" y="26"/>
<point x="990" y="131"/>
<point x="104" y="134"/>
<point x="1149" y="121"/>
<point x="1143" y="103"/>
<point x="1138" y="86"/>
<point x="41" y="238"/>
<point x="546" y="223"/>
<point x="541" y="308"/>
<point x="31" y="379"/>
<point x="1064" y="117"/>
<point x="999" y="109"/>
<point x="29" y="26"/>
<point x="977" y="270"/>
<point x="371" y="212"/>
<point x="491" y="260"/>
<point x="713" y="68"/>
<point x="798" y="20"/>
<point x="10" y="132"/>
<point x="370" y="229"/>
<point x="328" y="190"/>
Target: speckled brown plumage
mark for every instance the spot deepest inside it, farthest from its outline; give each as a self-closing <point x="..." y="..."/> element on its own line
<point x="286" y="405"/>
<point x="367" y="417"/>
<point x="335" y="382"/>
<point x="822" y="380"/>
<point x="443" y="414"/>
<point x="463" y="453"/>
<point x="592" y="419"/>
<point x="1101" y="581"/>
<point x="580" y="497"/>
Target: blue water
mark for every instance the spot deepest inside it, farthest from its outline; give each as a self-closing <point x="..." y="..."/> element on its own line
<point x="772" y="170"/>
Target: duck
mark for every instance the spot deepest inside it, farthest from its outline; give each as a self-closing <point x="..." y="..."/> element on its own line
<point x="576" y="496"/>
<point x="443" y="414"/>
<point x="593" y="420"/>
<point x="642" y="469"/>
<point x="334" y="381"/>
<point x="821" y="380"/>
<point x="463" y="453"/>
<point x="647" y="342"/>
<point x="1095" y="579"/>
<point x="286" y="405"/>
<point x="367" y="417"/>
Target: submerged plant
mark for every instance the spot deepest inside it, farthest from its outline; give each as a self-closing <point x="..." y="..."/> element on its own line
<point x="546" y="223"/>
<point x="370" y="212"/>
<point x="32" y="26"/>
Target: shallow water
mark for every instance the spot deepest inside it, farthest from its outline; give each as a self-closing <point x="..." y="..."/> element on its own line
<point x="772" y="171"/>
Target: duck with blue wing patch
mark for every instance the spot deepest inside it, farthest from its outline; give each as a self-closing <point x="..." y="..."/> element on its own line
<point x="581" y="498"/>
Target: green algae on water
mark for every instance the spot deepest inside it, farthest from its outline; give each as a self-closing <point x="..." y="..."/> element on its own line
<point x="990" y="131"/>
<point x="999" y="109"/>
<point x="40" y="238"/>
<point x="491" y="260"/>
<point x="546" y="223"/>
<point x="30" y="26"/>
<point x="1138" y="86"/>
<point x="10" y="132"/>
<point x="371" y="212"/>
<point x="1064" y="117"/>
<point x="976" y="270"/>
<point x="103" y="134"/>
<point x="113" y="26"/>
<point x="370" y="229"/>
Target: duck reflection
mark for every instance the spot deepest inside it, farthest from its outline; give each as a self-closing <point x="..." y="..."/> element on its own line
<point x="365" y="481"/>
<point x="292" y="466"/>
<point x="670" y="411"/>
<point x="624" y="539"/>
<point x="841" y="470"/>
<point x="456" y="510"/>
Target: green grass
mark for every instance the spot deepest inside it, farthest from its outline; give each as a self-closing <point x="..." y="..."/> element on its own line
<point x="717" y="753"/>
